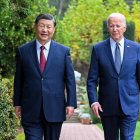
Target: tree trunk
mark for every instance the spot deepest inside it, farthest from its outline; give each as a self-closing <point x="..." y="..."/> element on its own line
<point x="60" y="6"/>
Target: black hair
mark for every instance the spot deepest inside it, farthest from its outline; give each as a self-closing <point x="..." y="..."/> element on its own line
<point x="45" y="16"/>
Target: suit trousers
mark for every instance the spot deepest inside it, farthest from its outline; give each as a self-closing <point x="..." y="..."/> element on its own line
<point x="116" y="126"/>
<point x="42" y="129"/>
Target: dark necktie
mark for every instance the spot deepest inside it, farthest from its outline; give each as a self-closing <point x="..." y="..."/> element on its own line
<point x="117" y="58"/>
<point x="42" y="59"/>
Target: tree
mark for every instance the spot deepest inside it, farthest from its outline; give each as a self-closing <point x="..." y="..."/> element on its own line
<point x="16" y="20"/>
<point x="60" y="5"/>
<point x="81" y="26"/>
<point x="135" y="17"/>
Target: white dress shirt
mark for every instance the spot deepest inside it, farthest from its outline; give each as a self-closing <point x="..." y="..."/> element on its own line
<point x="113" y="47"/>
<point x="46" y="50"/>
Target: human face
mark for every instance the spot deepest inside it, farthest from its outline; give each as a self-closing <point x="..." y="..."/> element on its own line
<point x="44" y="30"/>
<point x="116" y="28"/>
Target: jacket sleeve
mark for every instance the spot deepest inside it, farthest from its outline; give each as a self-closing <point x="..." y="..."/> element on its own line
<point x="70" y="81"/>
<point x="92" y="79"/>
<point x="18" y="80"/>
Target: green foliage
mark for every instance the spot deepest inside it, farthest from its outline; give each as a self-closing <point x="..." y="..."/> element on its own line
<point x="17" y="20"/>
<point x="94" y="118"/>
<point x="139" y="117"/>
<point x="84" y="103"/>
<point x="137" y="133"/>
<point x="8" y="120"/>
<point x="113" y="6"/>
<point x="82" y="97"/>
<point x="81" y="26"/>
<point x="20" y="136"/>
<point x="135" y="17"/>
<point x="61" y="6"/>
<point x="129" y="34"/>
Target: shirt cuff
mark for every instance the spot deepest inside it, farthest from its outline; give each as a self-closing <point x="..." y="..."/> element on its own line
<point x="94" y="103"/>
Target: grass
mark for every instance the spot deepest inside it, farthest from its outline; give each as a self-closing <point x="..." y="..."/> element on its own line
<point x="137" y="132"/>
<point x="20" y="136"/>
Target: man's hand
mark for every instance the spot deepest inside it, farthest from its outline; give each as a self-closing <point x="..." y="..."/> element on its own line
<point x="96" y="108"/>
<point x="18" y="111"/>
<point x="69" y="111"/>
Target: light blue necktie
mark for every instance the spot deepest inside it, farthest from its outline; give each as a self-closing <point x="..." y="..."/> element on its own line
<point x="117" y="58"/>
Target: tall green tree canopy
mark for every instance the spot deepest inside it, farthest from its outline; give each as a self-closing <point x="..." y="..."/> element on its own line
<point x="82" y="24"/>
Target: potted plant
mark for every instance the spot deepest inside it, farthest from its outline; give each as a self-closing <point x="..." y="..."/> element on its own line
<point x="85" y="118"/>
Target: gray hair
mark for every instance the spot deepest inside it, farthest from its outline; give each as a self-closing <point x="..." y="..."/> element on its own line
<point x="121" y="16"/>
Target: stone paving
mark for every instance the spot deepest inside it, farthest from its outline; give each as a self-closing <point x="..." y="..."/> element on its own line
<point x="78" y="131"/>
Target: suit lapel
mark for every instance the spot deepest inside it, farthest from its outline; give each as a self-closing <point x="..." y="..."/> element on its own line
<point x="33" y="54"/>
<point x="125" y="55"/>
<point x="51" y="57"/>
<point x="109" y="53"/>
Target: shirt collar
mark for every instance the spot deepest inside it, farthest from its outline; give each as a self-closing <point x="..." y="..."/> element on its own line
<point x="113" y="43"/>
<point x="47" y="45"/>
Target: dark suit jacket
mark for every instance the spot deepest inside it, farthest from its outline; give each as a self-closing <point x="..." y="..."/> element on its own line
<point x="31" y="88"/>
<point x="114" y="87"/>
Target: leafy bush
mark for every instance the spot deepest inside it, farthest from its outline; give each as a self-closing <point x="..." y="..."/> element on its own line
<point x="8" y="120"/>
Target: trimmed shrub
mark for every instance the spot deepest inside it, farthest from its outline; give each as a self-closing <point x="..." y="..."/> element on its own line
<point x="8" y="120"/>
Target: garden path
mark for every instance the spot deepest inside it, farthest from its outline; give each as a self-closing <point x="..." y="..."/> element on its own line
<point x="78" y="131"/>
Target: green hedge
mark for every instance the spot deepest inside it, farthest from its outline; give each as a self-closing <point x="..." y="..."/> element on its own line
<point x="8" y="120"/>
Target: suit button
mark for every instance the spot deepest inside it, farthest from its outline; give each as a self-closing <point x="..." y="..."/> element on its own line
<point x="42" y="79"/>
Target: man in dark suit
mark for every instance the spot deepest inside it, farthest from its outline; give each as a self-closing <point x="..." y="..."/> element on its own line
<point x="115" y="68"/>
<point x="43" y="71"/>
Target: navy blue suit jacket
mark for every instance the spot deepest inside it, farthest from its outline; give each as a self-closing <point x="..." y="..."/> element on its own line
<point x="31" y="88"/>
<point x="114" y="87"/>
